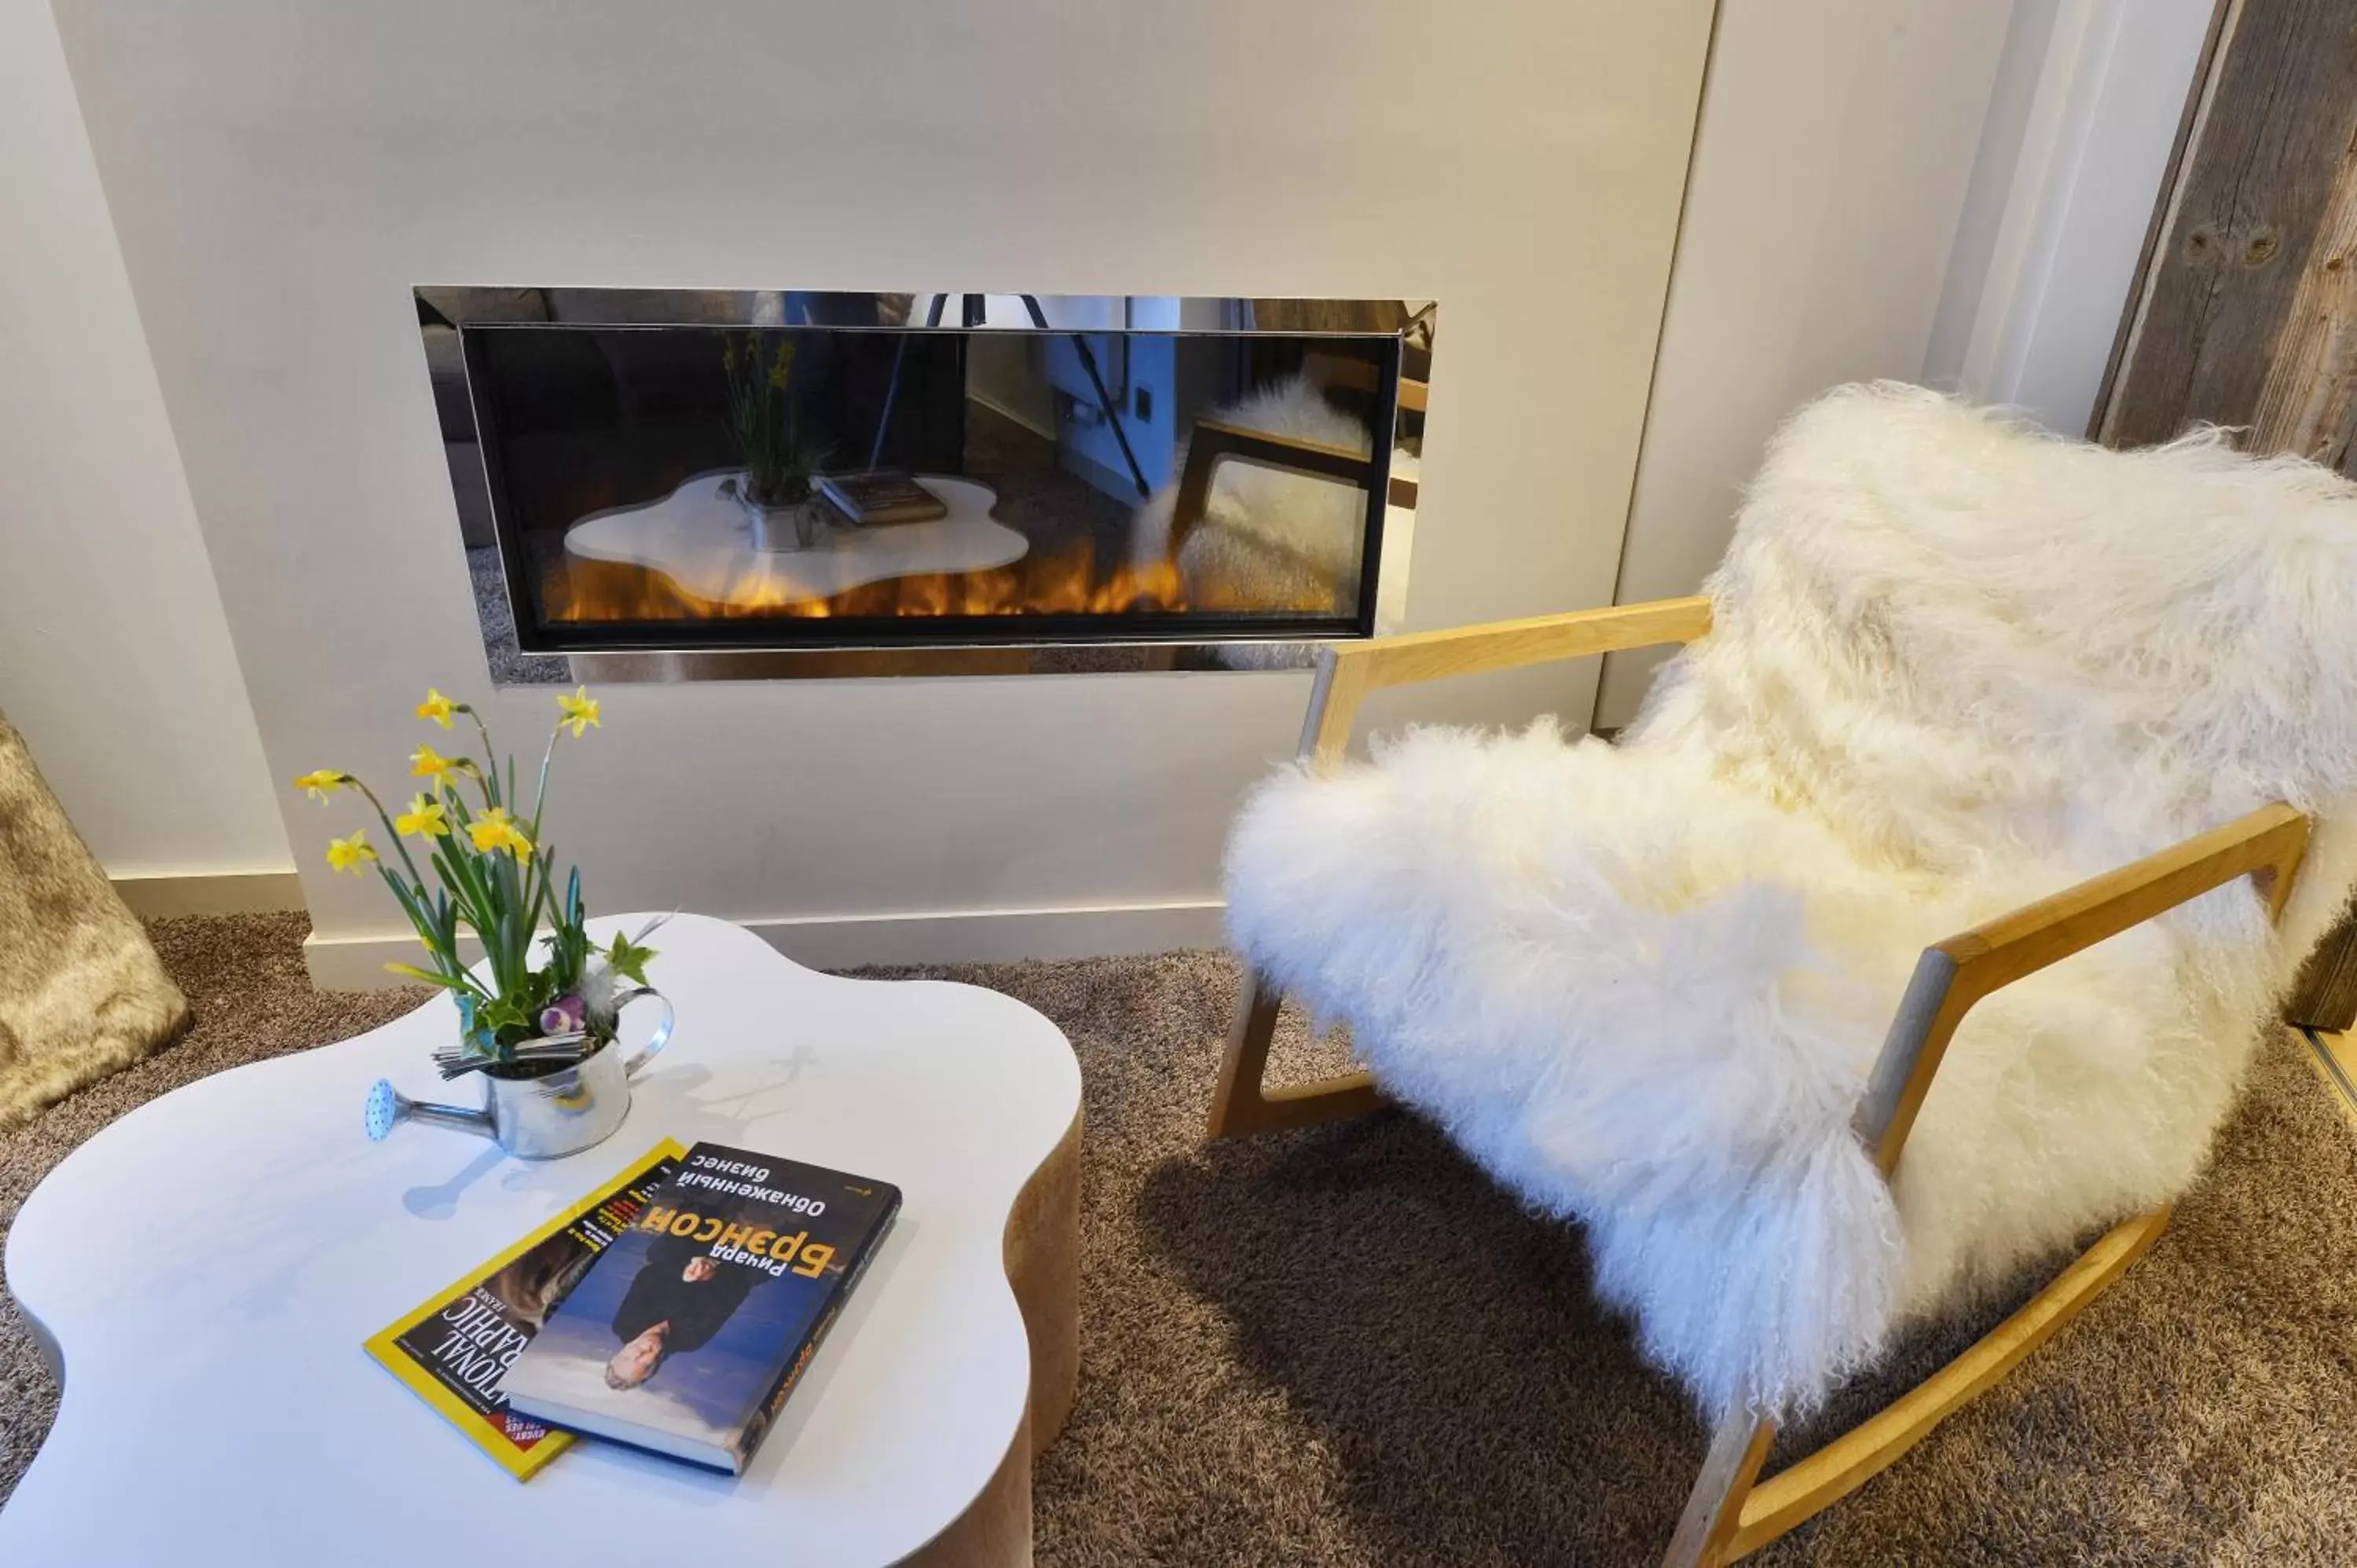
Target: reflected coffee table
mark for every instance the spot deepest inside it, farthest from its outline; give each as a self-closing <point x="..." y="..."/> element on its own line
<point x="203" y="1274"/>
<point x="701" y="539"/>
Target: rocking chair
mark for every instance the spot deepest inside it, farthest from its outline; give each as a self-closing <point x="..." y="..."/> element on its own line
<point x="1916" y="592"/>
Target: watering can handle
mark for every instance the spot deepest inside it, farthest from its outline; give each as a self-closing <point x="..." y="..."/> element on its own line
<point x="656" y="1041"/>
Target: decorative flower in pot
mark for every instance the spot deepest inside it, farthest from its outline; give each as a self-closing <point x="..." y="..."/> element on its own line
<point x="775" y="489"/>
<point x="538" y="1023"/>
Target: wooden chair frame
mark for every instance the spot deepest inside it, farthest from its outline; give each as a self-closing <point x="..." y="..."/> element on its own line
<point x="1731" y="1512"/>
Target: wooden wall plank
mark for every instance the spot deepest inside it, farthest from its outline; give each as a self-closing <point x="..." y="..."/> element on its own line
<point x="2247" y="314"/>
<point x="2250" y="202"/>
<point x="2308" y="402"/>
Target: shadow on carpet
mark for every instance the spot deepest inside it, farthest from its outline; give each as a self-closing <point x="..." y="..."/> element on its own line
<point x="1444" y="1345"/>
<point x="1480" y="1408"/>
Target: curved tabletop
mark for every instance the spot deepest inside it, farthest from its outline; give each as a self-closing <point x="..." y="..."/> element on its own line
<point x="702" y="540"/>
<point x="209" y="1266"/>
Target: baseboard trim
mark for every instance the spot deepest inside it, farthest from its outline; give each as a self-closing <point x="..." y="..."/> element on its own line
<point x="1047" y="433"/>
<point x="162" y="896"/>
<point x="848" y="941"/>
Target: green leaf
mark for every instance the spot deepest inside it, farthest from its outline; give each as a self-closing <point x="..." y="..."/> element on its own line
<point x="512" y="915"/>
<point x="502" y="1014"/>
<point x="431" y="977"/>
<point x="457" y="875"/>
<point x="408" y="898"/>
<point x="536" y="881"/>
<point x="628" y="959"/>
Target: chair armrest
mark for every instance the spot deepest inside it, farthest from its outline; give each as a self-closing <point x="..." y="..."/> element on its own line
<point x="1347" y="671"/>
<point x="1952" y="975"/>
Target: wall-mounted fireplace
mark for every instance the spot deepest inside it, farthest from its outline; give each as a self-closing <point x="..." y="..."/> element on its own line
<point x="668" y="483"/>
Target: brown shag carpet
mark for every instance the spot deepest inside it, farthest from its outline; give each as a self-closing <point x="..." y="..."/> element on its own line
<point x="1344" y="1347"/>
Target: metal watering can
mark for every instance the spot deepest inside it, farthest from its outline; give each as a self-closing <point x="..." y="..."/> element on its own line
<point x="544" y="1118"/>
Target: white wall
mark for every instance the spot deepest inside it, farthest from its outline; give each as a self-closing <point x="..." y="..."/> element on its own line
<point x="2065" y="201"/>
<point x="114" y="658"/>
<point x="282" y="171"/>
<point x="1944" y="192"/>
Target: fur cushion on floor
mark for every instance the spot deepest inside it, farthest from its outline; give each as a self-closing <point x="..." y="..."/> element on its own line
<point x="81" y="992"/>
<point x="1956" y="665"/>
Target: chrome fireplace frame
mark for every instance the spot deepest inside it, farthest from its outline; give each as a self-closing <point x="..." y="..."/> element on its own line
<point x="1391" y="522"/>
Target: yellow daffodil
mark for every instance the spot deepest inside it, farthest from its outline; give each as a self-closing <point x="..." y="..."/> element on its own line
<point x="425" y="819"/>
<point x="495" y="829"/>
<point x="351" y="854"/>
<point x="579" y="710"/>
<point x="437" y="707"/>
<point x="322" y="783"/>
<point x="427" y="763"/>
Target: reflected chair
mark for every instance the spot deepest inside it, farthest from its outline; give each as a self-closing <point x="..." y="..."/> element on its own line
<point x="1270" y="508"/>
<point x="1770" y="995"/>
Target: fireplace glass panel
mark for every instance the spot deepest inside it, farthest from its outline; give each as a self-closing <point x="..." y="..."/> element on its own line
<point x="839" y="478"/>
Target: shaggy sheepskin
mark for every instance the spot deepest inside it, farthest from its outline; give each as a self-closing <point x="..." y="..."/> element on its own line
<point x="1956" y="665"/>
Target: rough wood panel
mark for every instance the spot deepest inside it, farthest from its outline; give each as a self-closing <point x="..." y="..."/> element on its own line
<point x="2308" y="402"/>
<point x="2247" y="314"/>
<point x="2249" y="206"/>
<point x="2308" y="405"/>
<point x="2163" y="209"/>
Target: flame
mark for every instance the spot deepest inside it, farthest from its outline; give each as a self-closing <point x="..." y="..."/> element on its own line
<point x="1061" y="582"/>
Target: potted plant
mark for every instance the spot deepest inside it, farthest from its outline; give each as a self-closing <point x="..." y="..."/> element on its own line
<point x="545" y="1009"/>
<point x="775" y="489"/>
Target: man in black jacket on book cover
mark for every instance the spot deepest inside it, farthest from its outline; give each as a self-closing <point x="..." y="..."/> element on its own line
<point x="678" y="1300"/>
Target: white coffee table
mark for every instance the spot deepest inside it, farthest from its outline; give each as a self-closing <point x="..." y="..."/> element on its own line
<point x="205" y="1269"/>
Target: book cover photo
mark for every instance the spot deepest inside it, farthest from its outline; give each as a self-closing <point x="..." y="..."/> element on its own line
<point x="688" y="1333"/>
<point x="455" y="1347"/>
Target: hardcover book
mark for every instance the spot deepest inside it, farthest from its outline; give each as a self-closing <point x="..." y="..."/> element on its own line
<point x="880" y="497"/>
<point x="453" y="1349"/>
<point x="691" y="1330"/>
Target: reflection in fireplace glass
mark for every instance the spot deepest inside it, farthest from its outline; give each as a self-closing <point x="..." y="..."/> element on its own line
<point x="861" y="485"/>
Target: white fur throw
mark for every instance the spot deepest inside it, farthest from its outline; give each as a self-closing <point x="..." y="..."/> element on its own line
<point x="1956" y="666"/>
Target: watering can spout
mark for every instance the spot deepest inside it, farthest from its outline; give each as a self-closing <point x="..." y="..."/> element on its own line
<point x="387" y="1107"/>
<point x="555" y="1109"/>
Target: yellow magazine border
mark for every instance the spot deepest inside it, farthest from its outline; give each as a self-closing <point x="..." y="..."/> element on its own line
<point x="525" y="1464"/>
